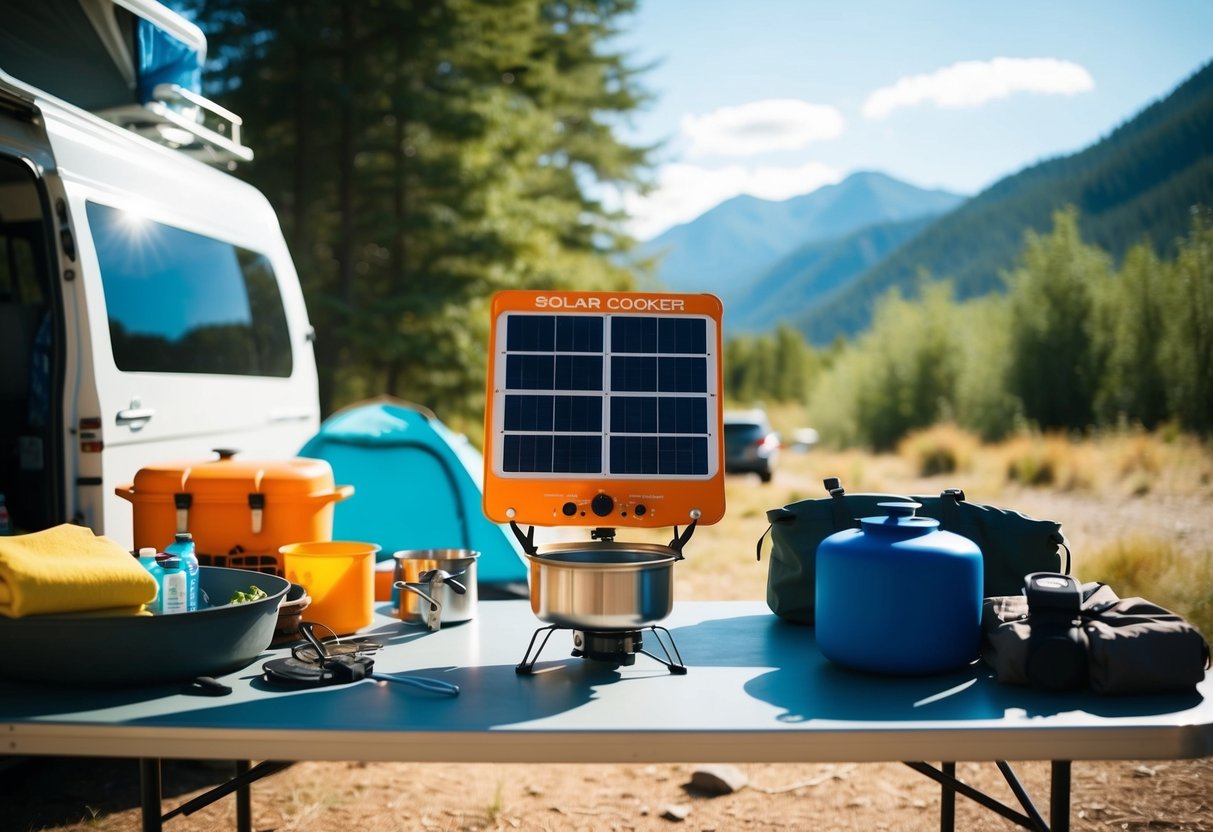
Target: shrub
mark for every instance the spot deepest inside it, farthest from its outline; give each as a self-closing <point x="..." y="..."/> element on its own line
<point x="942" y="449"/>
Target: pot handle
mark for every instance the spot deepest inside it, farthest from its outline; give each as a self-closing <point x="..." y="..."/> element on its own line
<point x="339" y="493"/>
<point x="126" y="492"/>
<point x="441" y="577"/>
<point x="433" y="616"/>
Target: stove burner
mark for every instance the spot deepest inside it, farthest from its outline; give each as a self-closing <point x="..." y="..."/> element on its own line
<point x="613" y="647"/>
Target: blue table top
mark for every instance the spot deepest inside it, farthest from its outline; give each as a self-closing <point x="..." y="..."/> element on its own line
<point x="757" y="689"/>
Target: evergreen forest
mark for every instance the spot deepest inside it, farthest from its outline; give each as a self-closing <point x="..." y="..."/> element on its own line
<point x="1074" y="343"/>
<point x="422" y="156"/>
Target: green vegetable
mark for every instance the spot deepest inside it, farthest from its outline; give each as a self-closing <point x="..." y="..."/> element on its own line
<point x="255" y="593"/>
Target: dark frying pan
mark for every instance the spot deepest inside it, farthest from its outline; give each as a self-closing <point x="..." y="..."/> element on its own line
<point x="131" y="650"/>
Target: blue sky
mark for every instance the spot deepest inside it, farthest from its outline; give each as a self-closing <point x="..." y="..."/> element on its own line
<point x="777" y="97"/>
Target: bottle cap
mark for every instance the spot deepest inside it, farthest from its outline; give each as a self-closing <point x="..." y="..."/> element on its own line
<point x="184" y="537"/>
<point x="147" y="552"/>
<point x="169" y="562"/>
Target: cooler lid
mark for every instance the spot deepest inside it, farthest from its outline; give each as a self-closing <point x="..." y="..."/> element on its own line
<point x="603" y="409"/>
<point x="230" y="477"/>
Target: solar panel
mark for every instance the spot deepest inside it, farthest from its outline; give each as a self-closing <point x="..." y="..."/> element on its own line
<point x="593" y="393"/>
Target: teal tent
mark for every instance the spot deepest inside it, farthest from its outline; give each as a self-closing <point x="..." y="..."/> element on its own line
<point x="417" y="485"/>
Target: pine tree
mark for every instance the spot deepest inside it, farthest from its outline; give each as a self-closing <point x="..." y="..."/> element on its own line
<point x="424" y="155"/>
<point x="1053" y="367"/>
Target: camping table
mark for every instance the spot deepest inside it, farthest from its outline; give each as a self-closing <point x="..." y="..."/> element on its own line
<point x="757" y="690"/>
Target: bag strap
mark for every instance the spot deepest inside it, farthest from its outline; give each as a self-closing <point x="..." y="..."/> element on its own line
<point x="774" y="515"/>
<point x="1060" y="540"/>
<point x="758" y="548"/>
<point x="949" y="507"/>
<point x="842" y="517"/>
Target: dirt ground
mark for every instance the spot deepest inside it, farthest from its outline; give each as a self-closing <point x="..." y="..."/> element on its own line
<point x="81" y="796"/>
<point x="87" y="795"/>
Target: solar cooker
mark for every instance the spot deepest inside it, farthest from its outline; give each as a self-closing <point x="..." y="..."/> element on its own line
<point x="603" y="411"/>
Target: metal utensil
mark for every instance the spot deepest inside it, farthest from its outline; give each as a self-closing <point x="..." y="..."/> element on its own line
<point x="342" y="668"/>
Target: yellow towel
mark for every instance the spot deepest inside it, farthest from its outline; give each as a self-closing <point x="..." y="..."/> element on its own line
<point x="68" y="569"/>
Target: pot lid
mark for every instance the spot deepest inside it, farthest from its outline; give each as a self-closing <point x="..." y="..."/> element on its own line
<point x="603" y="409"/>
<point x="230" y="477"/>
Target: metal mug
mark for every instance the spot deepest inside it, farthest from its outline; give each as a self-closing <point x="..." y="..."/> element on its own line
<point x="435" y="585"/>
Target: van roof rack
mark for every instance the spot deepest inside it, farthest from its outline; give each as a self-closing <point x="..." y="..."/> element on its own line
<point x="178" y="118"/>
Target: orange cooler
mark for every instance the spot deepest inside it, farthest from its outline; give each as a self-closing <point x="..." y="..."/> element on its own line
<point x="240" y="512"/>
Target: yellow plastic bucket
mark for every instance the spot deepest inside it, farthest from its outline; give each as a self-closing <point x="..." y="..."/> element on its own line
<point x="339" y="575"/>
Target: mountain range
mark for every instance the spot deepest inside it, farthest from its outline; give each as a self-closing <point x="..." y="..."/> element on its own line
<point x="739" y="239"/>
<point x="820" y="261"/>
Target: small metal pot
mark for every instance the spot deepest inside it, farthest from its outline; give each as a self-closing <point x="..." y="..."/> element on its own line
<point x="603" y="585"/>
<point x="425" y="578"/>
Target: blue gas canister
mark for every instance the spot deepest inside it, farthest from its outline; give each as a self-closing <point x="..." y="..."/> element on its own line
<point x="898" y="595"/>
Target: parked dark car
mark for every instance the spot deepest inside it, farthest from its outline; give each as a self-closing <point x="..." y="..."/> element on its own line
<point x="750" y="445"/>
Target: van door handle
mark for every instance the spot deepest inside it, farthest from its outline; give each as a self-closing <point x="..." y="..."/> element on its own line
<point x="135" y="414"/>
<point x="290" y="414"/>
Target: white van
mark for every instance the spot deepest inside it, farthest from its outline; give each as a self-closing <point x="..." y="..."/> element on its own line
<point x="149" y="308"/>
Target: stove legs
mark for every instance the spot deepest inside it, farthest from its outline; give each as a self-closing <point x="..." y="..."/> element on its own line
<point x="611" y="647"/>
<point x="527" y="666"/>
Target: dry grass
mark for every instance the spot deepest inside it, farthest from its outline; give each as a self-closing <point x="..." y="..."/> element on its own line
<point x="1181" y="581"/>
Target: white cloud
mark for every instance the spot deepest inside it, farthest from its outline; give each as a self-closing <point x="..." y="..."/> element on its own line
<point x="973" y="83"/>
<point x="760" y="127"/>
<point x="686" y="191"/>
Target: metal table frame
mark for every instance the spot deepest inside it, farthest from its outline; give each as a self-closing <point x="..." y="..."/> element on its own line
<point x="757" y="690"/>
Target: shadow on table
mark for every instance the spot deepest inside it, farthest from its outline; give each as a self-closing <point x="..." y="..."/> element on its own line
<point x="806" y="686"/>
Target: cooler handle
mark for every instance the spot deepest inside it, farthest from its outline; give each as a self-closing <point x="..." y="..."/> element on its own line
<point x="256" y="504"/>
<point x="341" y="492"/>
<point x="182" y="501"/>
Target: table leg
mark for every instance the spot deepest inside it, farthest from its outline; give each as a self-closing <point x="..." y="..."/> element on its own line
<point x="947" y="800"/>
<point x="244" y="799"/>
<point x="1059" y="797"/>
<point x="149" y="793"/>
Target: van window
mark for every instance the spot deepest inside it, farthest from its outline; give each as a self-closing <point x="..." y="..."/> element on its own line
<point x="180" y="302"/>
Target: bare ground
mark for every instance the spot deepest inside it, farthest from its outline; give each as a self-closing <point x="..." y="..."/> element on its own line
<point x="318" y="797"/>
<point x="85" y="795"/>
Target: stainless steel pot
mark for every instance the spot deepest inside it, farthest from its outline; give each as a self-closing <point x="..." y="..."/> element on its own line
<point x="603" y="585"/>
<point x="424" y="578"/>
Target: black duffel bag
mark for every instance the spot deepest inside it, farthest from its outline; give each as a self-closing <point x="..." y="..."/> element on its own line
<point x="1062" y="635"/>
<point x="1011" y="544"/>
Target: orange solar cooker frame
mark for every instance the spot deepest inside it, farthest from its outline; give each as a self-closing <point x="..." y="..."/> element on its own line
<point x="564" y="499"/>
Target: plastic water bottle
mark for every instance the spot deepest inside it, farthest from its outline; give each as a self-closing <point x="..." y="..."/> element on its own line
<point x="174" y="582"/>
<point x="147" y="559"/>
<point x="183" y="547"/>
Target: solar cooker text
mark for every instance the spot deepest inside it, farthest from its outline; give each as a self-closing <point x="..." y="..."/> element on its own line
<point x="621" y="304"/>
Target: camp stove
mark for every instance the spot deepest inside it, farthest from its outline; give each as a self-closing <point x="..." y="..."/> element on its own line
<point x="608" y="595"/>
<point x="603" y="410"/>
